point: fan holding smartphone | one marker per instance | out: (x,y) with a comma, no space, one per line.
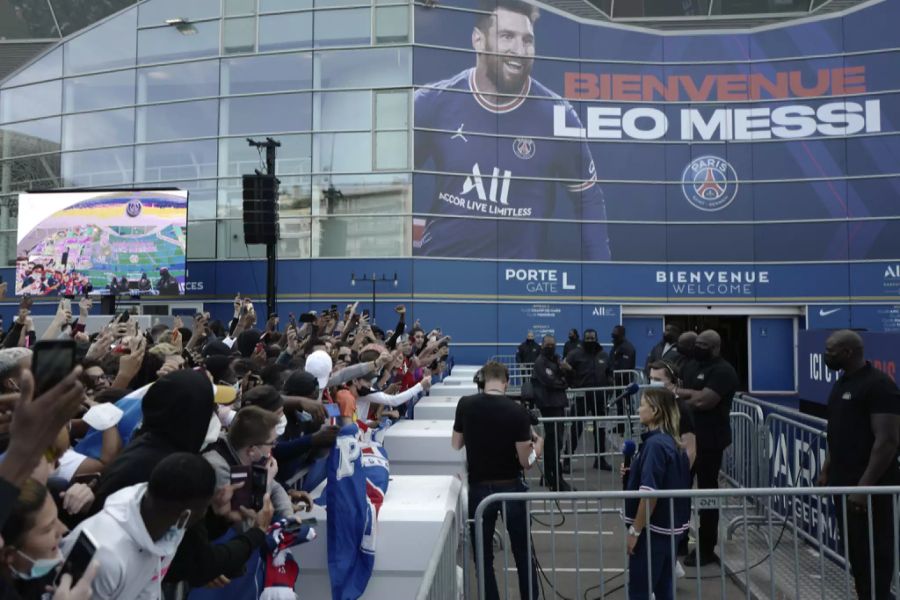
(135,537)
(243,459)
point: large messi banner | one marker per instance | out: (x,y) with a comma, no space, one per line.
(541,138)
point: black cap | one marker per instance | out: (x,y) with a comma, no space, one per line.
(301,383)
(217,348)
(218,366)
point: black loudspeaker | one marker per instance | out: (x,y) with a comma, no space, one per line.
(260,209)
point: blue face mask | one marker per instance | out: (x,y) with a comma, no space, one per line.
(39,568)
(173,535)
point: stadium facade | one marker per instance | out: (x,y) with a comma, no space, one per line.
(740,179)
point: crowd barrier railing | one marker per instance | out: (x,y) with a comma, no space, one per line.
(441,578)
(577,543)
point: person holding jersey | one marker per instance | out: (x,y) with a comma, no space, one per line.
(660,464)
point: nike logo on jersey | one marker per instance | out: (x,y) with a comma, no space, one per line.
(459,133)
(825,313)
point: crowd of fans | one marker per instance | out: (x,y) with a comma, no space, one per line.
(136,448)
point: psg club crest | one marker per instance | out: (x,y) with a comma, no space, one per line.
(523,148)
(709,183)
(133,209)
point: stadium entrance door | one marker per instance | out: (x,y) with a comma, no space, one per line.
(733,330)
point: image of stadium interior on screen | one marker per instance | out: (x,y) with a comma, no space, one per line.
(102,242)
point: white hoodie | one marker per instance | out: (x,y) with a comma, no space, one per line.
(131,564)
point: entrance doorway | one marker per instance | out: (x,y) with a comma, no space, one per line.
(733,330)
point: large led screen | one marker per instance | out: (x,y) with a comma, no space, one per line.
(102,242)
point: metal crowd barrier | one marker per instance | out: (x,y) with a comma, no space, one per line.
(441,579)
(519,373)
(506,359)
(577,545)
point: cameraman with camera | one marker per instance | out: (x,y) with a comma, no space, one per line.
(500,443)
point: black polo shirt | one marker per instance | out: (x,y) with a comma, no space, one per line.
(686,419)
(491,425)
(853,400)
(713,426)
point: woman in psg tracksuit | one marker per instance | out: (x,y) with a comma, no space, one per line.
(660,464)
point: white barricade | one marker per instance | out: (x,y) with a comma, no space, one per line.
(421,447)
(453,391)
(434,408)
(465,371)
(409,526)
(457,380)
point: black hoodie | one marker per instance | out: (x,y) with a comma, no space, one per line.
(177,411)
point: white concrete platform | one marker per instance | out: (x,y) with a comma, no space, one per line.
(422,447)
(409,524)
(437,408)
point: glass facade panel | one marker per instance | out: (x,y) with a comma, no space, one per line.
(342,152)
(358,236)
(47,67)
(175,160)
(176,121)
(266,114)
(75,16)
(328,3)
(90,50)
(239,35)
(201,239)
(30,173)
(9,212)
(178,82)
(343,27)
(97,168)
(391,24)
(294,240)
(391,150)
(237,157)
(30,137)
(95,92)
(157,11)
(275,73)
(387,193)
(286,31)
(392,109)
(164,44)
(343,110)
(98,129)
(31,101)
(372,67)
(201,197)
(278,5)
(231,242)
(234,8)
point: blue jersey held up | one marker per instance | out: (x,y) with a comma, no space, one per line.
(358,476)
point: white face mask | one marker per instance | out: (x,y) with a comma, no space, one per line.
(282,425)
(213,431)
(654,383)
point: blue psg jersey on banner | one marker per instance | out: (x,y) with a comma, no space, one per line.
(501,164)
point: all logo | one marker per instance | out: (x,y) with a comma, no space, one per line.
(709,183)
(523,148)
